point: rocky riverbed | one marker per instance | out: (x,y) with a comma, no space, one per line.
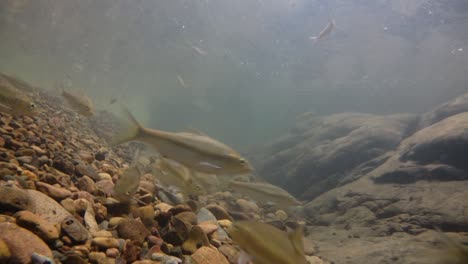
(377,186)
(57,174)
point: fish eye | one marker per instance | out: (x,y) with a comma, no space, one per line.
(32,105)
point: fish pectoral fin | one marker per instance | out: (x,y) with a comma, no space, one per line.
(244,258)
(296,238)
(209,165)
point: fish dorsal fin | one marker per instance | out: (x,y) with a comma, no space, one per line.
(296,238)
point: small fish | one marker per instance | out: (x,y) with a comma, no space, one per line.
(199,50)
(181,81)
(80,103)
(173,173)
(15,101)
(113,100)
(19,84)
(265,244)
(325,31)
(196,152)
(127,185)
(264,192)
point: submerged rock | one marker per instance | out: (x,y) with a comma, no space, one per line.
(22,243)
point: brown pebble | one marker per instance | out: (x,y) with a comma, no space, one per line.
(112,252)
(39,226)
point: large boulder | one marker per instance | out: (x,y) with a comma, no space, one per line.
(320,152)
(423,184)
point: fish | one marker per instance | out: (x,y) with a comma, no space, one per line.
(199,50)
(264,192)
(80,103)
(19,84)
(127,185)
(265,244)
(325,31)
(173,173)
(181,81)
(209,182)
(196,152)
(14,101)
(113,100)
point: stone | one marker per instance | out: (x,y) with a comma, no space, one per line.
(113,253)
(5,253)
(115,221)
(219,212)
(106,242)
(46,207)
(37,225)
(230,252)
(163,207)
(86,184)
(52,191)
(188,217)
(132,229)
(75,229)
(281,215)
(208,227)
(196,239)
(247,206)
(22,243)
(208,255)
(14,199)
(225,224)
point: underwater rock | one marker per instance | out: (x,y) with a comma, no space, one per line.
(132,229)
(188,217)
(196,239)
(14,199)
(208,255)
(37,225)
(52,191)
(75,229)
(219,212)
(247,206)
(331,145)
(22,243)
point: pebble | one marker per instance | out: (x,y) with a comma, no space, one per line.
(5,253)
(112,252)
(104,176)
(188,217)
(281,215)
(37,225)
(132,229)
(163,207)
(55,192)
(246,206)
(106,242)
(219,212)
(230,252)
(22,243)
(75,229)
(86,184)
(115,221)
(208,255)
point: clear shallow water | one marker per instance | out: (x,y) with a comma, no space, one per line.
(247,67)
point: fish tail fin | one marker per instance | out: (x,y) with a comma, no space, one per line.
(131,132)
(296,238)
